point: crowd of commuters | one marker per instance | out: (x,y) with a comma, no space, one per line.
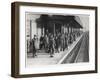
(53,43)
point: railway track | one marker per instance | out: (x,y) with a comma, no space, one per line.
(80,52)
(83,54)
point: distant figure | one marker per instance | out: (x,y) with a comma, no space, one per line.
(47,33)
(74,36)
(42,45)
(66,41)
(70,38)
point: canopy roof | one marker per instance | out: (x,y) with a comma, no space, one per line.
(61,19)
(75,24)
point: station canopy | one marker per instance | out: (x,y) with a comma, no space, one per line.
(75,24)
(59,19)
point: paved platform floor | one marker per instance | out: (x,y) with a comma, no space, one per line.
(45,59)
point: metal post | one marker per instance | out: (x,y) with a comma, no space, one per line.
(30,30)
(54,29)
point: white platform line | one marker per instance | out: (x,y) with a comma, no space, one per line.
(60,61)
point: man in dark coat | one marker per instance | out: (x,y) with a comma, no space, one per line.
(62,42)
(51,45)
(46,42)
(33,46)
